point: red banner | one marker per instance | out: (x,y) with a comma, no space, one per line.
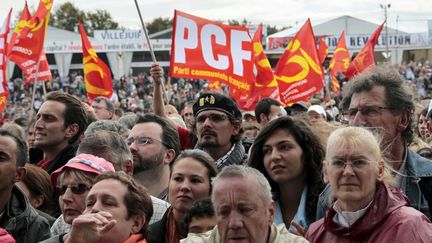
(339,62)
(29,66)
(322,50)
(365,58)
(97,75)
(30,35)
(210,50)
(4,93)
(266,84)
(43,73)
(298,71)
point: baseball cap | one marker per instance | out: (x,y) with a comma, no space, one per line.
(318,109)
(84,162)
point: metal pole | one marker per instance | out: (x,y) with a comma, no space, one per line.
(151,49)
(385,7)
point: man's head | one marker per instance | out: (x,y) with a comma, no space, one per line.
(60,119)
(187,115)
(378,99)
(154,143)
(266,110)
(317,114)
(218,121)
(13,157)
(243,204)
(133,205)
(110,146)
(103,108)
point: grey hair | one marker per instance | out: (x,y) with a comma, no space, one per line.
(107,125)
(108,145)
(242,171)
(128,120)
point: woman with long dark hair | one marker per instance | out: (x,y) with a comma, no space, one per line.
(290,155)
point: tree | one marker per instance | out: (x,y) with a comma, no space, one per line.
(235,22)
(274,29)
(100,20)
(159,24)
(66,17)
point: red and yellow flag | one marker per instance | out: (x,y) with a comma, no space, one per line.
(29,66)
(266,84)
(322,50)
(365,58)
(215,85)
(29,38)
(298,72)
(97,75)
(339,62)
(4,93)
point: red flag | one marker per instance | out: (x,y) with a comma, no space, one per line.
(339,62)
(207,49)
(298,72)
(30,35)
(265,85)
(29,66)
(4,93)
(322,50)
(365,57)
(97,75)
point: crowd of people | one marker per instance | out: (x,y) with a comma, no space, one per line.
(351,168)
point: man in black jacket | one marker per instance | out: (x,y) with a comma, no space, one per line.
(17,216)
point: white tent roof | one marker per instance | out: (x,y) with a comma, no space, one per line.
(351,26)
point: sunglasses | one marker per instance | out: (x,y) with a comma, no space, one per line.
(78,189)
(213,117)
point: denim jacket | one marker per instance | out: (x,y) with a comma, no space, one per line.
(418,186)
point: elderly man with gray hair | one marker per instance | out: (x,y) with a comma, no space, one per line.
(244,209)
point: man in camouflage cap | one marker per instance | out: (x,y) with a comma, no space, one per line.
(218,122)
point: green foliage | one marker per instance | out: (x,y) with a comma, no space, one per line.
(159,24)
(67,15)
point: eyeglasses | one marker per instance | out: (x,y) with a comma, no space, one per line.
(78,189)
(188,114)
(355,164)
(143,140)
(367,111)
(213,117)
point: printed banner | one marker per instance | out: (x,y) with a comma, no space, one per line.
(204,49)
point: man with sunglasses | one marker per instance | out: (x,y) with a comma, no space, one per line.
(17,216)
(154,144)
(218,122)
(378,99)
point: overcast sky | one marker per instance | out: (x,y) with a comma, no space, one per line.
(412,13)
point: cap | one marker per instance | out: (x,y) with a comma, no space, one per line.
(301,104)
(219,102)
(318,109)
(84,162)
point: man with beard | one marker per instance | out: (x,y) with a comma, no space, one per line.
(378,99)
(154,144)
(218,121)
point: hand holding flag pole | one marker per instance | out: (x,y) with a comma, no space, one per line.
(151,49)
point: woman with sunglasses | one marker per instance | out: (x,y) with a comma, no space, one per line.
(190,180)
(365,207)
(290,155)
(72,183)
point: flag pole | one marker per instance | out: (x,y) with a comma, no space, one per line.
(151,49)
(34,86)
